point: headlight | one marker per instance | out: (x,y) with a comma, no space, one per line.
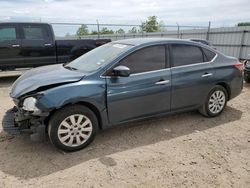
(29,104)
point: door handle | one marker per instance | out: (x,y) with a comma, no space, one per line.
(15,45)
(162,82)
(207,75)
(47,44)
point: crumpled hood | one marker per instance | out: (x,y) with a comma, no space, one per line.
(43,76)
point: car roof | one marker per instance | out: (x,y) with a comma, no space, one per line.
(142,41)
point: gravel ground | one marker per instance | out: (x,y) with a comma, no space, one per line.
(184,150)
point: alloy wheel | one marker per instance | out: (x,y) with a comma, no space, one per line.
(75,130)
(217,102)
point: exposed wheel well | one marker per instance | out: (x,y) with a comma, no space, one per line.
(89,105)
(226,86)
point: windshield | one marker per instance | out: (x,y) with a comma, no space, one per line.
(97,58)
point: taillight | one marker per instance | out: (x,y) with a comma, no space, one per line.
(239,66)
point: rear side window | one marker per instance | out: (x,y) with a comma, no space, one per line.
(7,33)
(208,54)
(144,60)
(34,32)
(183,54)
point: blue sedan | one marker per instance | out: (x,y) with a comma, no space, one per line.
(120,82)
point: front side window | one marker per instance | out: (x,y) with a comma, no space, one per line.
(7,33)
(183,54)
(34,32)
(144,60)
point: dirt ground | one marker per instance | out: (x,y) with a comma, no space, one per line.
(184,150)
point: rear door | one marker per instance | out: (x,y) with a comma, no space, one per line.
(192,76)
(146,91)
(38,46)
(10,46)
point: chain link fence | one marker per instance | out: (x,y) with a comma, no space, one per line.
(232,41)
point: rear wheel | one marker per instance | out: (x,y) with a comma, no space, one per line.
(72,128)
(215,102)
(247,79)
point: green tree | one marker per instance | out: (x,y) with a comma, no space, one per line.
(94,33)
(244,24)
(120,31)
(133,30)
(82,30)
(151,25)
(105,30)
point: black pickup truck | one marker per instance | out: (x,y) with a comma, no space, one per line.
(33,44)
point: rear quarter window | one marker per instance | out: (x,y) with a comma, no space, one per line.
(208,54)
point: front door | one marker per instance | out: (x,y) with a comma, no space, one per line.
(146,91)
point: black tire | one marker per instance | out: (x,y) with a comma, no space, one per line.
(63,114)
(204,109)
(247,79)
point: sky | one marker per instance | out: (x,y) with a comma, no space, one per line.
(221,13)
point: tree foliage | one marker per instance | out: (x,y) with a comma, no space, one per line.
(105,30)
(133,30)
(82,30)
(120,31)
(151,25)
(94,32)
(244,24)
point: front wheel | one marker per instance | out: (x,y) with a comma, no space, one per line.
(215,102)
(72,128)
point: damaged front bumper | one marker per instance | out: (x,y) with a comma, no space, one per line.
(27,122)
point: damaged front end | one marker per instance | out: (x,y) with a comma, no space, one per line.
(29,118)
(30,114)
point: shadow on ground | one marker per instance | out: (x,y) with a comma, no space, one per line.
(25,159)
(247,85)
(6,81)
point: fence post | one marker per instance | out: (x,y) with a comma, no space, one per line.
(98,28)
(208,30)
(242,44)
(178,30)
(141,30)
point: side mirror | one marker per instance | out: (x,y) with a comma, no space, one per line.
(122,71)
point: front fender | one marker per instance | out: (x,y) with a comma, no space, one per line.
(92,92)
